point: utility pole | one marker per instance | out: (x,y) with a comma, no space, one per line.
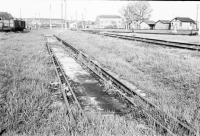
(85,14)
(65,14)
(39,19)
(35,21)
(50,18)
(197,20)
(82,22)
(62,14)
(20,12)
(76,17)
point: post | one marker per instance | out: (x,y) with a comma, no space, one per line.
(50,18)
(85,14)
(62,14)
(197,21)
(35,21)
(20,12)
(82,22)
(197,17)
(39,19)
(76,16)
(65,14)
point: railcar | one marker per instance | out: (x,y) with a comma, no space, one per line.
(12,25)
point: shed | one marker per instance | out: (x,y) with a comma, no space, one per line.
(147,25)
(162,24)
(183,23)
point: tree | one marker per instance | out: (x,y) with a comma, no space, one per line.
(136,11)
(5,15)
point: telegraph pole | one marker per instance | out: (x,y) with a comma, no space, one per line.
(62,14)
(76,16)
(20,12)
(85,14)
(50,18)
(197,20)
(39,19)
(197,16)
(82,22)
(65,14)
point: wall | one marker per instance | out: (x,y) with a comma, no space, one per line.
(160,25)
(104,22)
(182,25)
(144,25)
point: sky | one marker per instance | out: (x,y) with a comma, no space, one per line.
(90,9)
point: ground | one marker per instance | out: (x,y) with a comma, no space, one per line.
(28,107)
(170,77)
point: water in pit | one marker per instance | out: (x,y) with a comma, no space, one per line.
(87,89)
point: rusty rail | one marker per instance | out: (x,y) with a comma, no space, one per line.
(163,123)
(64,84)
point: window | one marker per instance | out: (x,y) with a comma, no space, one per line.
(190,23)
(180,23)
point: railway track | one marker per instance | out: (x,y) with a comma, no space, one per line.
(189,46)
(159,120)
(64,85)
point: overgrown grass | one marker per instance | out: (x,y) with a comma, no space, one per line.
(170,77)
(26,105)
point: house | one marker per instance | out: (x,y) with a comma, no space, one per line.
(108,21)
(147,25)
(135,24)
(73,25)
(183,23)
(162,24)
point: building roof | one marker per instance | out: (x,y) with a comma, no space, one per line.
(42,19)
(109,16)
(149,22)
(164,21)
(184,19)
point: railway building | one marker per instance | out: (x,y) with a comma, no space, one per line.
(147,25)
(162,24)
(183,23)
(109,21)
(42,22)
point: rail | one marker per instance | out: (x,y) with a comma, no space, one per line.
(65,84)
(158,119)
(181,45)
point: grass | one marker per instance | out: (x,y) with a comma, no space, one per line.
(26,105)
(169,77)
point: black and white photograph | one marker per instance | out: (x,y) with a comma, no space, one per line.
(99,68)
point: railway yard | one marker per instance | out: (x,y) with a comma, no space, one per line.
(58,82)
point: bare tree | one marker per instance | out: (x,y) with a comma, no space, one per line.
(136,11)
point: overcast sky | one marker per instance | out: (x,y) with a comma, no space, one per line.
(164,10)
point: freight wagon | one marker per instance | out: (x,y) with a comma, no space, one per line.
(12,25)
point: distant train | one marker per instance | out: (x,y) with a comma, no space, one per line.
(12,25)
